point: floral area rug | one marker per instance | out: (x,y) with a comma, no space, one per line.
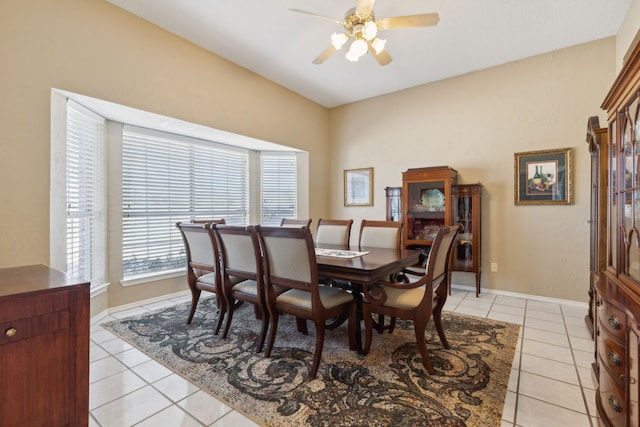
(388,387)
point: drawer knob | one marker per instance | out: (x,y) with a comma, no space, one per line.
(614,322)
(613,402)
(614,359)
(10,332)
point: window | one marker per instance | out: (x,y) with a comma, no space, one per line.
(85,195)
(169,178)
(278,187)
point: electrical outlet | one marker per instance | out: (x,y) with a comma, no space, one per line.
(494,267)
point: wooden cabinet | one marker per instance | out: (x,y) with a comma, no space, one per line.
(617,287)
(597,141)
(466,211)
(44,348)
(426,200)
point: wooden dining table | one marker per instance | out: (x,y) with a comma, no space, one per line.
(355,273)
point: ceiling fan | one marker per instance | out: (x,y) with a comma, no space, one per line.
(362,28)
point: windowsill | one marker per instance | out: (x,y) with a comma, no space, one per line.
(151,277)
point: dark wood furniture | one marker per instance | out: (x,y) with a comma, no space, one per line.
(203,265)
(333,232)
(617,292)
(377,264)
(415,301)
(598,143)
(393,196)
(44,348)
(380,234)
(290,262)
(241,273)
(467,210)
(295,222)
(426,201)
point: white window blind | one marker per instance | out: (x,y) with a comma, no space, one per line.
(168,178)
(278,192)
(85,195)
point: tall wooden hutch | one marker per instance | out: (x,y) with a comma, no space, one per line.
(617,292)
(466,211)
(432,198)
(426,199)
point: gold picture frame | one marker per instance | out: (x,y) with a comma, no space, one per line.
(543,177)
(358,187)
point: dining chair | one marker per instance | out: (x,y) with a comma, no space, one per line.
(203,266)
(295,222)
(209,221)
(290,261)
(242,274)
(416,301)
(335,232)
(381,234)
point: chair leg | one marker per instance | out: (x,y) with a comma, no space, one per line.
(221,313)
(420,326)
(302,326)
(319,344)
(380,323)
(441,298)
(353,324)
(195,297)
(227,324)
(368,327)
(392,324)
(264,316)
(272,333)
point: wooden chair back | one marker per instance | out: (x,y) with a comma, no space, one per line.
(295,222)
(203,265)
(333,232)
(242,274)
(380,234)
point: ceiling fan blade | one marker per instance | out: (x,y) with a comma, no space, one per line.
(364,7)
(316,15)
(383,57)
(324,55)
(411,21)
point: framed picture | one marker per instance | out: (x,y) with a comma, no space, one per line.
(543,177)
(358,187)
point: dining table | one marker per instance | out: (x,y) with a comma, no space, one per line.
(355,272)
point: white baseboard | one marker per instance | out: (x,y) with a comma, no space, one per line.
(579,304)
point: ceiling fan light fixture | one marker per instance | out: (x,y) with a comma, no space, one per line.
(358,47)
(369,30)
(339,39)
(378,45)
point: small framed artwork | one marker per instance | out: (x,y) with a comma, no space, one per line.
(358,187)
(543,177)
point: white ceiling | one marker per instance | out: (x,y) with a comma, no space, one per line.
(266,37)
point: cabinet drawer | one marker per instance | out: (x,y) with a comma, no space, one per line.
(612,398)
(20,307)
(612,355)
(22,329)
(613,320)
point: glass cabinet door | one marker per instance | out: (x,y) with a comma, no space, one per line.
(426,210)
(466,211)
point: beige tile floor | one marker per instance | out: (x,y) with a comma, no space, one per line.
(550,384)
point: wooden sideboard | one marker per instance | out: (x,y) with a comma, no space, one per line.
(617,291)
(44,348)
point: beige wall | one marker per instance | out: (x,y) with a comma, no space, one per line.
(92,48)
(475,123)
(627,33)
